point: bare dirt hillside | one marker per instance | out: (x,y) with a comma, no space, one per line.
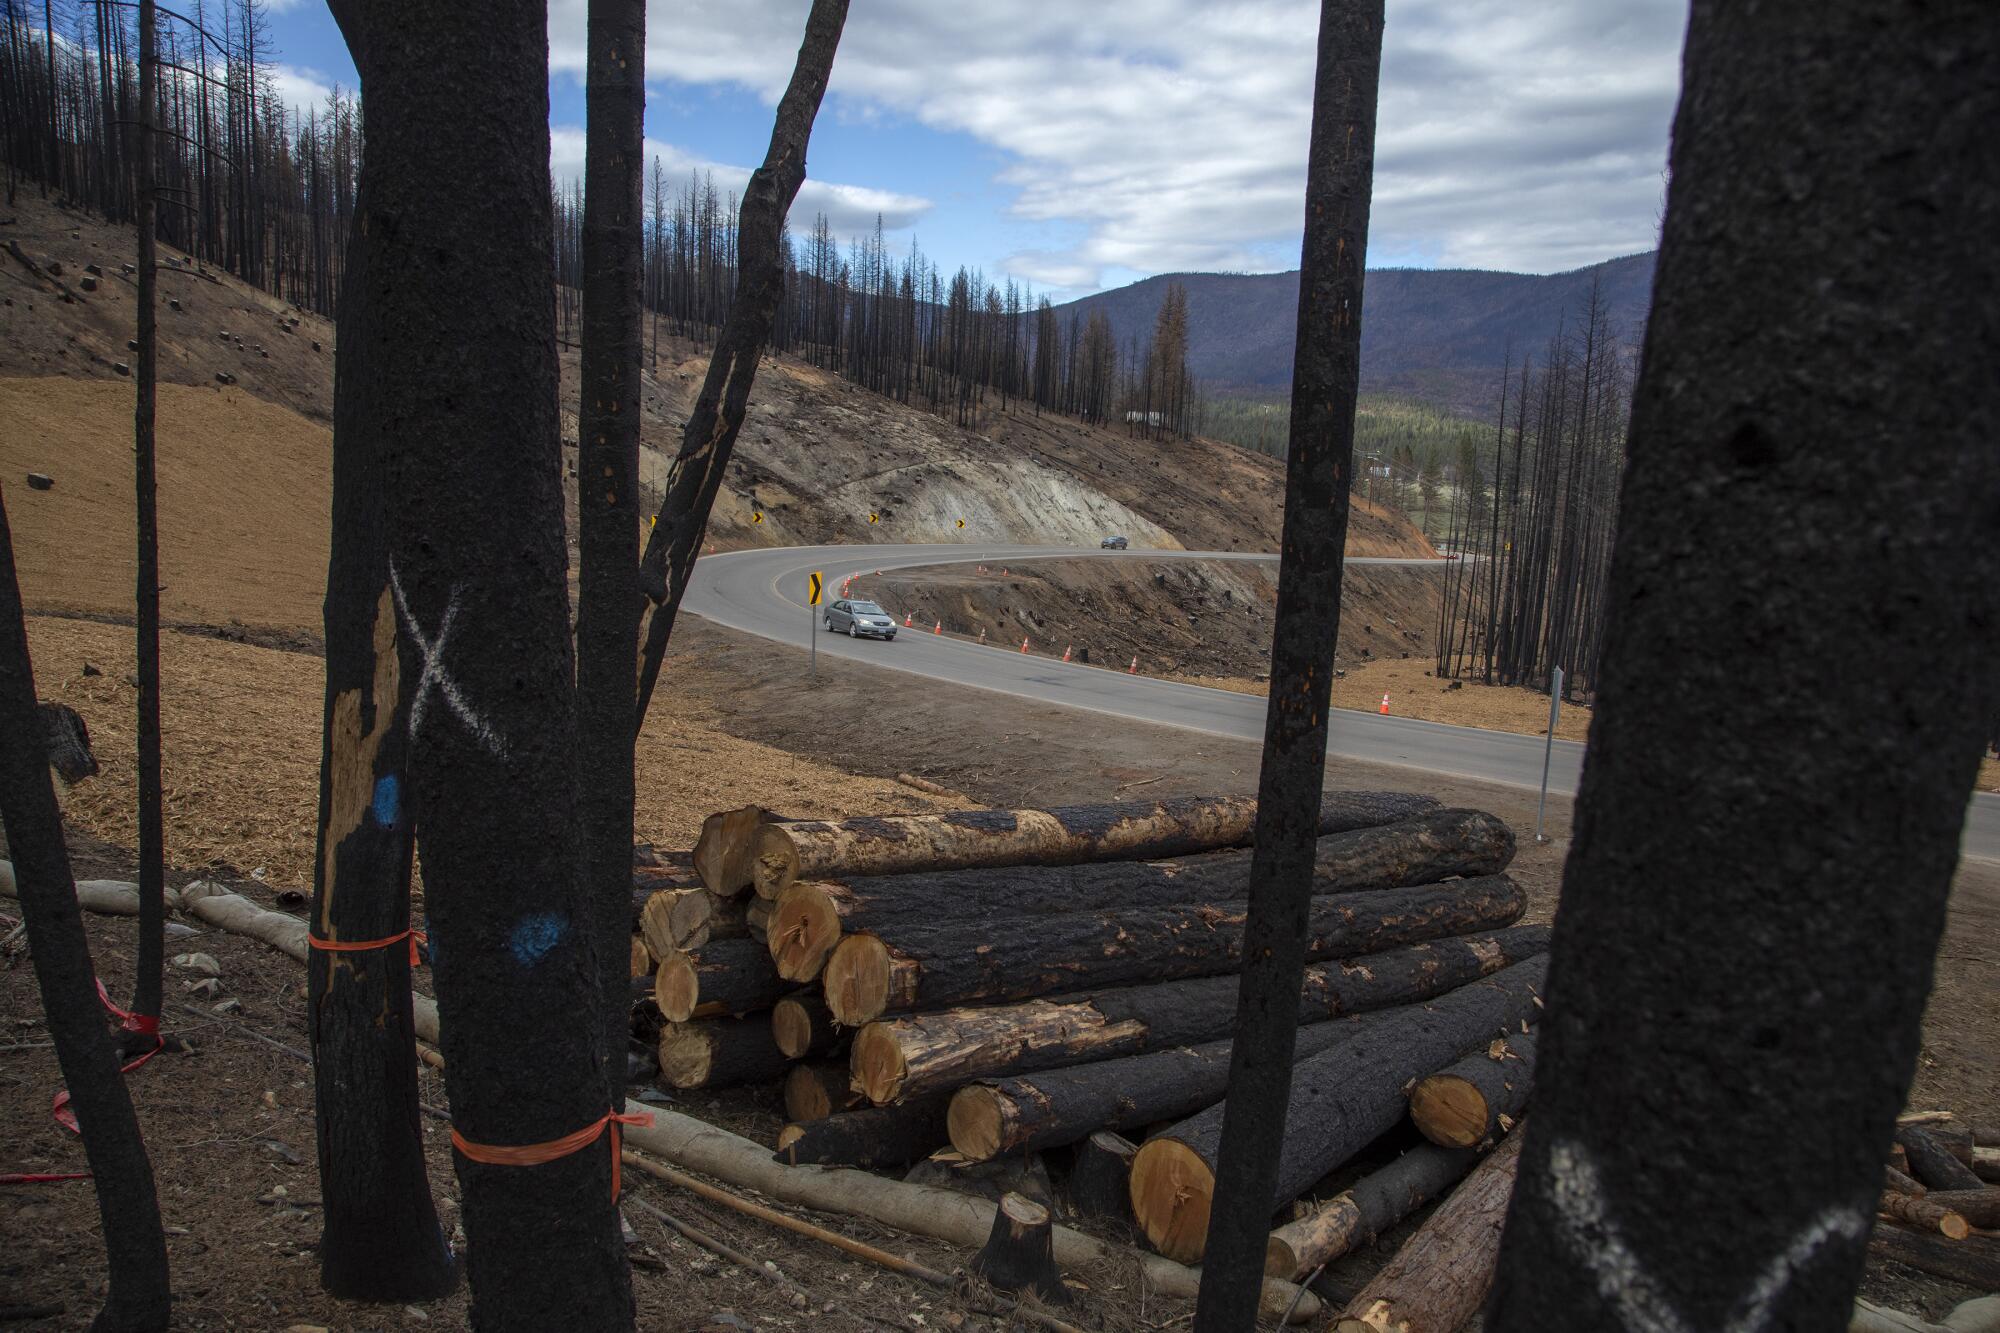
(817,456)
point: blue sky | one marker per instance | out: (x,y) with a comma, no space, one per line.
(1082,147)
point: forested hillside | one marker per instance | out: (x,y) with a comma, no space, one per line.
(1440,335)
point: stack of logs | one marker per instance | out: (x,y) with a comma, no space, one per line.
(1010,982)
(961,993)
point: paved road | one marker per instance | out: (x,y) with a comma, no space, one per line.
(763,592)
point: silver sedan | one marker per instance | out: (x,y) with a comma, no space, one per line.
(864,619)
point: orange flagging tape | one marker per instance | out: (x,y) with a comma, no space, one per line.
(146,1025)
(413,935)
(534,1154)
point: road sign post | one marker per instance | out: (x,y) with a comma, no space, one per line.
(814,583)
(1548,748)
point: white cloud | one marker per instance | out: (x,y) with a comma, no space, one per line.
(1173,132)
(299,88)
(850,209)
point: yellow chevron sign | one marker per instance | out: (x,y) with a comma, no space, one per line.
(813,588)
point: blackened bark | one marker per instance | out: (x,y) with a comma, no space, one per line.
(135,1245)
(726,977)
(929,965)
(719,1053)
(381,1240)
(459,281)
(1377,1202)
(152,834)
(1326,373)
(607,494)
(1047,1110)
(1932,1163)
(878,1137)
(1816,274)
(917,1053)
(1478,1098)
(711,429)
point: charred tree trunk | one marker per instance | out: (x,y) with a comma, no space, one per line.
(942,963)
(1980,1207)
(135,1246)
(994,1117)
(1377,1202)
(1326,376)
(924,1052)
(710,435)
(1020,1253)
(463,362)
(151,963)
(380,1240)
(1478,1098)
(607,493)
(783,854)
(719,1053)
(1933,1163)
(1100,1180)
(1340,1102)
(730,977)
(1973,1262)
(1771,385)
(809,917)
(1440,1277)
(882,1136)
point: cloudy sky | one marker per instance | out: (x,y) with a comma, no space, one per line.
(1084,146)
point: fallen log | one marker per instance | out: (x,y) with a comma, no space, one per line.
(932,964)
(1986,1136)
(809,917)
(719,1053)
(993,1117)
(1933,1159)
(920,1210)
(1926,1214)
(1341,1100)
(727,977)
(1980,1207)
(722,852)
(1895,1180)
(688,918)
(802,1026)
(814,1092)
(1019,1254)
(1377,1202)
(1440,1277)
(877,1137)
(1986,1163)
(1974,1262)
(1100,1177)
(642,958)
(784,853)
(919,1053)
(1478,1098)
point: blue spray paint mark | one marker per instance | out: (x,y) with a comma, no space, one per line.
(388,800)
(536,935)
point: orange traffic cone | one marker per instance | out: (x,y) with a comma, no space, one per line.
(938,628)
(1384,710)
(906,625)
(1066,648)
(1133,670)
(1024,645)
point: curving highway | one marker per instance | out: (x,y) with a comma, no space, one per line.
(763,592)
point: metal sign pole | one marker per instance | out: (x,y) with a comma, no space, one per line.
(1548,748)
(814,582)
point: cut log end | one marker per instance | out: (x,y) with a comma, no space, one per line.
(977,1121)
(793,1028)
(1379,1317)
(687,1057)
(856,980)
(642,958)
(787,1137)
(1450,1111)
(722,852)
(803,930)
(878,1064)
(814,1092)
(1020,1253)
(676,987)
(1280,1259)
(1171,1191)
(774,861)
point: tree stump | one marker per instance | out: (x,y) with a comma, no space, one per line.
(1100,1181)
(1019,1255)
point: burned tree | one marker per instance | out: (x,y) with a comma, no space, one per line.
(135,1246)
(607,494)
(1811,472)
(1326,375)
(711,429)
(460,356)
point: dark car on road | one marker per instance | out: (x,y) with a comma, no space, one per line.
(1113,544)
(860,619)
